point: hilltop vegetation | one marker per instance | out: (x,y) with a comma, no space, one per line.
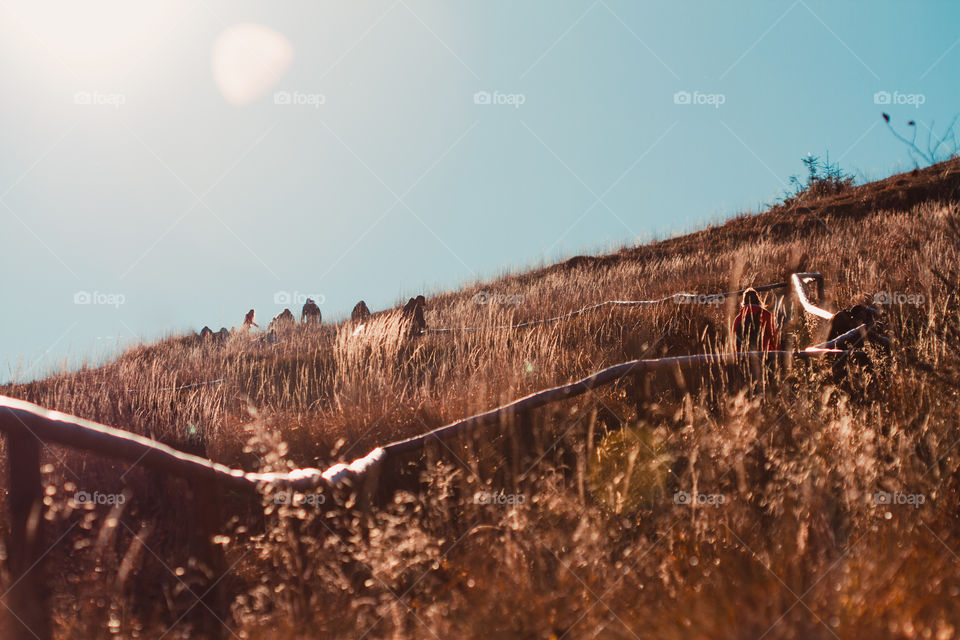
(586,528)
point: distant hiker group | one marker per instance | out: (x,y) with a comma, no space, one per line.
(310,315)
(207,334)
(755,328)
(412,313)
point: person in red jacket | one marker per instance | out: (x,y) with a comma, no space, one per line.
(754,326)
(248,320)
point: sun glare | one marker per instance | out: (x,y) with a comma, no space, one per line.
(101,42)
(98,38)
(247,60)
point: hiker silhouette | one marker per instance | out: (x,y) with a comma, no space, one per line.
(282,321)
(754,327)
(360,312)
(248,320)
(855,359)
(311,313)
(413,311)
(846,320)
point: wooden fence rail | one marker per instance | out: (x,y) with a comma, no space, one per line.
(797,280)
(27,427)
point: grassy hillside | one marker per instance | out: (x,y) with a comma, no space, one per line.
(591,535)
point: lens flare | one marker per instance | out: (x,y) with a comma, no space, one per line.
(248,59)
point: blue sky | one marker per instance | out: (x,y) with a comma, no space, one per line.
(374,165)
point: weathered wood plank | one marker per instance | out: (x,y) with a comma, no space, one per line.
(26,597)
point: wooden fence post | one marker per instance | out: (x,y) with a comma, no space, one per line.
(786,331)
(210,614)
(26,600)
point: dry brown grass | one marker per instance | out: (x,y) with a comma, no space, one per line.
(590,540)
